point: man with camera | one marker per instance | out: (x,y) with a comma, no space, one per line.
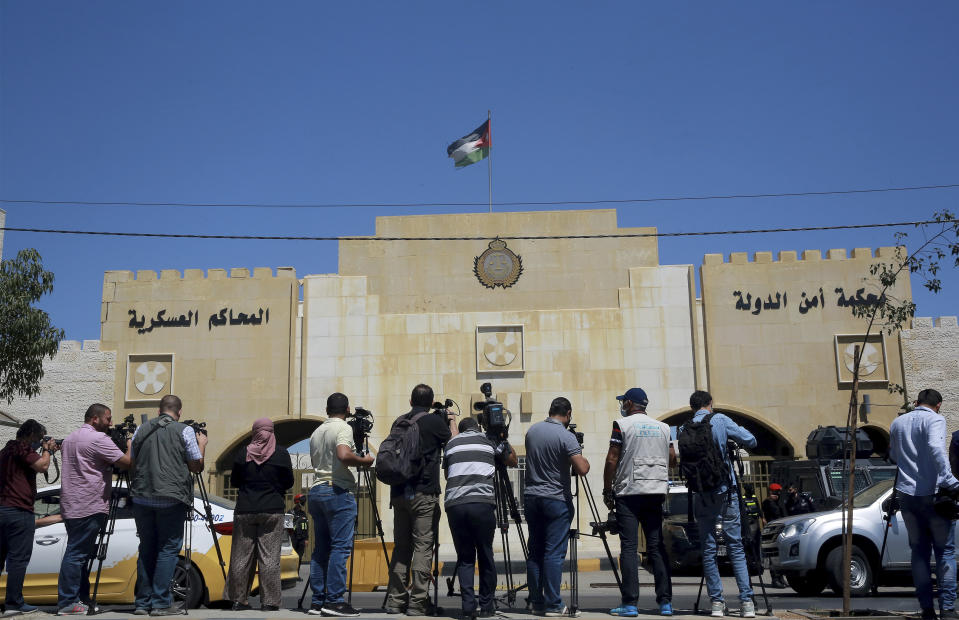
(89,458)
(917,444)
(635,484)
(708,469)
(333,508)
(416,508)
(551,449)
(19,465)
(470,463)
(166,453)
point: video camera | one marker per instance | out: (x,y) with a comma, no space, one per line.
(198,427)
(362,423)
(122,432)
(577,434)
(494,418)
(443,408)
(610,525)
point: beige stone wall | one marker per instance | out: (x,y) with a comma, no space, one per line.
(587,355)
(781,364)
(930,359)
(437,276)
(226,374)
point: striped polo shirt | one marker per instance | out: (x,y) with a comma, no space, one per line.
(469,469)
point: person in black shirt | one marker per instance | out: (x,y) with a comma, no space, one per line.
(798,503)
(416,512)
(301,526)
(262,472)
(772,509)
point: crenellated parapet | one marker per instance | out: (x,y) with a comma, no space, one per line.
(791,256)
(149,275)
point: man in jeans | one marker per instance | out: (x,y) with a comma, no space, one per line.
(89,457)
(722,503)
(917,444)
(635,484)
(165,454)
(333,507)
(19,465)
(550,451)
(416,511)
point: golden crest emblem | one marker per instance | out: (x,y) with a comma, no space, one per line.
(498,265)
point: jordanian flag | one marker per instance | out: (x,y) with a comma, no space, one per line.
(471,148)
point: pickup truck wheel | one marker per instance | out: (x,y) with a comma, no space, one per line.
(810,585)
(860,574)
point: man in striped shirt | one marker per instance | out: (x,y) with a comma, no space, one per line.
(470,463)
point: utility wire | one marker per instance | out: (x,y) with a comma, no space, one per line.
(340,205)
(478,238)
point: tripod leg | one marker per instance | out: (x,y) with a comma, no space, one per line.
(699,594)
(594,511)
(299,603)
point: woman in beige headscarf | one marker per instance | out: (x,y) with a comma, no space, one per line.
(262,472)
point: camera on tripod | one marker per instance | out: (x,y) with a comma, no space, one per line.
(122,432)
(494,417)
(362,423)
(198,427)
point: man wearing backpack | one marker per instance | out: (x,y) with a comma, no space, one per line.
(708,470)
(415,503)
(635,483)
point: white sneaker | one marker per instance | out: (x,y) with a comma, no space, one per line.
(749,609)
(718,609)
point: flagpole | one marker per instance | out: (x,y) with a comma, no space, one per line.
(489,158)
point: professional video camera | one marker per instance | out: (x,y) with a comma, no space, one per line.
(443,408)
(198,427)
(610,525)
(362,423)
(494,418)
(577,434)
(122,432)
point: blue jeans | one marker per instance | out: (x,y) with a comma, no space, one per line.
(334,517)
(548,520)
(929,532)
(161,537)
(74,583)
(708,507)
(16,547)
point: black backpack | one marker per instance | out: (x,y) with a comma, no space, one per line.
(700,460)
(400,460)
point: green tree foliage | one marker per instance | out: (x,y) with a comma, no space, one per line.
(26,335)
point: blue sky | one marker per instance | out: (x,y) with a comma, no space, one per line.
(323,102)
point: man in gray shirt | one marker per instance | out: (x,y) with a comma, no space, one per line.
(550,451)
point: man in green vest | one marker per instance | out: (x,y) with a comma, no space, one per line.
(166,454)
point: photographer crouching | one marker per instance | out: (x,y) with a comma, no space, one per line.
(332,505)
(917,444)
(166,453)
(89,457)
(19,465)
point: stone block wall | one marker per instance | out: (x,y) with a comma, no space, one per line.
(930,359)
(78,376)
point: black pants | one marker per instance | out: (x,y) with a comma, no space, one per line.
(473,526)
(633,511)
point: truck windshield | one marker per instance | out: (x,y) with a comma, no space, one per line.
(869,495)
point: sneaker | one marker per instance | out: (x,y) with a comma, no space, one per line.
(394,610)
(626,611)
(172,610)
(269,608)
(77,609)
(141,611)
(237,606)
(949,614)
(491,613)
(748,609)
(315,610)
(558,612)
(26,608)
(929,613)
(718,609)
(534,609)
(339,610)
(666,609)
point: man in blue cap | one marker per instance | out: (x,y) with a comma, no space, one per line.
(635,484)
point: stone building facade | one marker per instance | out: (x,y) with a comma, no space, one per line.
(770,336)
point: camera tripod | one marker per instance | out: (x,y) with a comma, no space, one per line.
(103,537)
(752,553)
(574,533)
